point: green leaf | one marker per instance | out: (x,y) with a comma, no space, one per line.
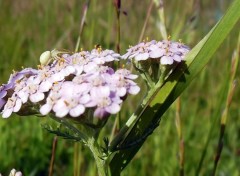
(179,80)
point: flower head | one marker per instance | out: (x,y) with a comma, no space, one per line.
(156,59)
(69,85)
(166,52)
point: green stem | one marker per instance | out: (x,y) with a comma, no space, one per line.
(147,78)
(144,74)
(96,151)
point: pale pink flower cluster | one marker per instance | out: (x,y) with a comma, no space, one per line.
(166,52)
(69,86)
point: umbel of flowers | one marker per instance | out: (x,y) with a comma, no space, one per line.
(155,59)
(69,86)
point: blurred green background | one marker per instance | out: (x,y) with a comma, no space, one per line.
(29,27)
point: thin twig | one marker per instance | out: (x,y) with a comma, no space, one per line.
(117,4)
(222,129)
(180,137)
(144,26)
(76,158)
(54,146)
(146,20)
(85,9)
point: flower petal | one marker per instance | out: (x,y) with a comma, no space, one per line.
(113,108)
(142,56)
(177,58)
(157,53)
(45,109)
(7,112)
(77,111)
(100,113)
(165,60)
(45,86)
(134,90)
(18,105)
(36,97)
(62,112)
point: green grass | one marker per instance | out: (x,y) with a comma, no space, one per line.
(30,27)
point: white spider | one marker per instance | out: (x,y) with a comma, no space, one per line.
(48,56)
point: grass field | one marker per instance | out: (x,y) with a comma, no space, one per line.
(27,28)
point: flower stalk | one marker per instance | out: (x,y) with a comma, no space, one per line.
(98,156)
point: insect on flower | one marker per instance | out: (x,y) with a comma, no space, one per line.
(48,56)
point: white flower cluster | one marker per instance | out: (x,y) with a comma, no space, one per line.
(166,51)
(70,85)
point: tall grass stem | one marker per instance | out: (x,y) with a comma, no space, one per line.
(162,24)
(85,9)
(224,117)
(180,137)
(76,159)
(54,146)
(117,5)
(146,20)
